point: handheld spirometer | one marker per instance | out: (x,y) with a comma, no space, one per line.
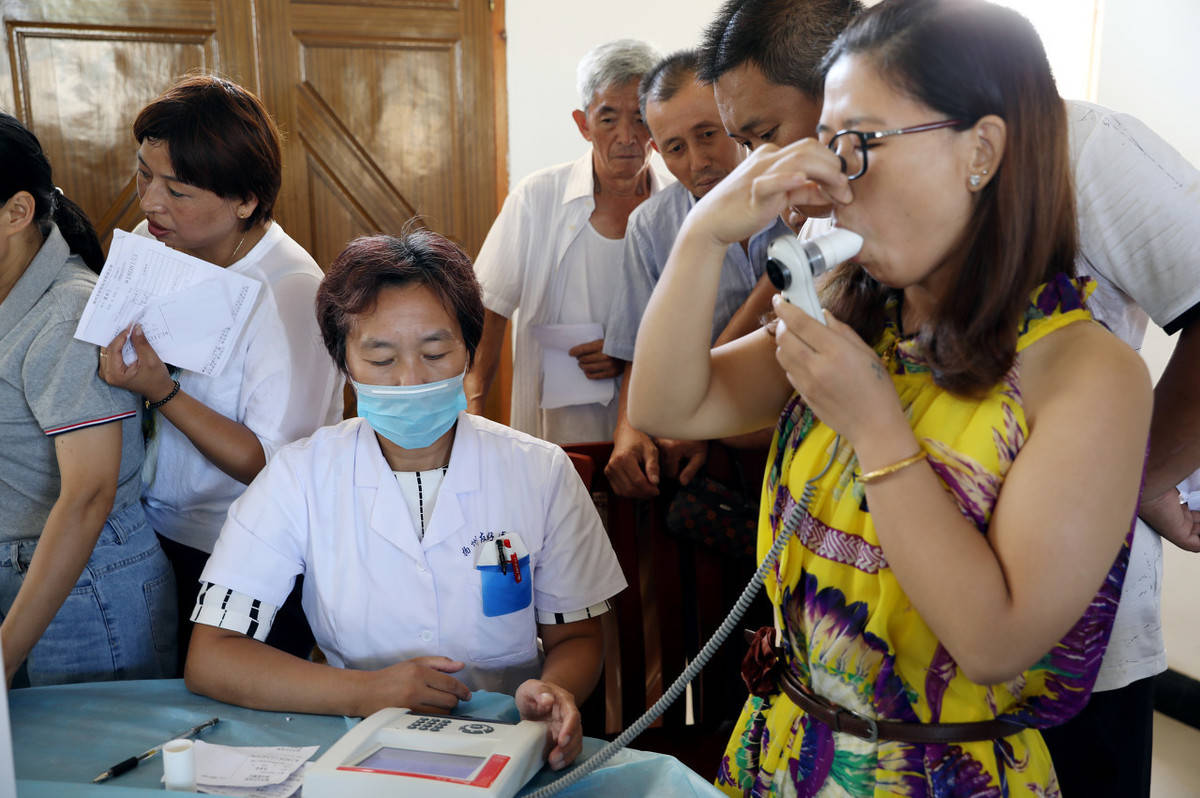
(397,752)
(793,264)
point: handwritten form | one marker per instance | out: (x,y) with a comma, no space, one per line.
(563,382)
(190,310)
(260,771)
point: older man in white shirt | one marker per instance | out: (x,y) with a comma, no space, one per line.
(553,255)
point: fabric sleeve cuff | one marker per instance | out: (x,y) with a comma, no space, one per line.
(497,304)
(548,617)
(94,422)
(621,350)
(1183,320)
(228,609)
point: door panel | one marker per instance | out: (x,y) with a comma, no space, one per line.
(331,210)
(395,101)
(377,89)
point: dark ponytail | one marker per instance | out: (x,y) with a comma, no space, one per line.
(26,169)
(77,231)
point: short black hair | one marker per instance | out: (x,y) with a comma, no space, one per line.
(220,138)
(786,39)
(416,256)
(667,77)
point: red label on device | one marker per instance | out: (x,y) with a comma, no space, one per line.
(487,774)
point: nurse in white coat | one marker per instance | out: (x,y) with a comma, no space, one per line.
(436,546)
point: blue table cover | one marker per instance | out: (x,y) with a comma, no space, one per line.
(64,736)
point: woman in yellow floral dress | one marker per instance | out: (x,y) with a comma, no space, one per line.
(952,584)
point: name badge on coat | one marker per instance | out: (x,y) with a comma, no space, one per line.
(505,576)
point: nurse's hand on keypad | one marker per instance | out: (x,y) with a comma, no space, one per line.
(422,684)
(539,700)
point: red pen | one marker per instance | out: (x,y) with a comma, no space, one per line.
(516,565)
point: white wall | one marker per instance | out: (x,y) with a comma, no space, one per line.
(1150,67)
(546,39)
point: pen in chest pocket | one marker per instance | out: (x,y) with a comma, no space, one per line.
(507,559)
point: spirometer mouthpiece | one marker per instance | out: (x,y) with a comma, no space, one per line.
(792,264)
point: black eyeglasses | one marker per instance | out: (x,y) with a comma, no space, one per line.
(851,146)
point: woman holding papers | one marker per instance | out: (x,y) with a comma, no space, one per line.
(208,173)
(85,591)
(437,546)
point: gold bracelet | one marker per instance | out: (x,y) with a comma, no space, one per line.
(879,473)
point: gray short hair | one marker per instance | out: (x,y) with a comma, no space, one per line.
(612,64)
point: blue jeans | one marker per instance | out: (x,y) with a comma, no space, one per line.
(118,622)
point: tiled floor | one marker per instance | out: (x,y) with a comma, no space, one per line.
(1176,768)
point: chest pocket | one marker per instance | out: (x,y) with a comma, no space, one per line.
(505,573)
(506,580)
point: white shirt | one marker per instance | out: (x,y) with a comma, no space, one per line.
(1138,202)
(519,258)
(375,593)
(1138,205)
(587,280)
(279,382)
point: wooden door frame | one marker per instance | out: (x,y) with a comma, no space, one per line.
(498,404)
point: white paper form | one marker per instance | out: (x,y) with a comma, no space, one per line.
(191,311)
(264,771)
(563,382)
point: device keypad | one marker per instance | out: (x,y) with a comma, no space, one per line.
(429,724)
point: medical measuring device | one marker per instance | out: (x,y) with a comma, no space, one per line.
(793,265)
(396,752)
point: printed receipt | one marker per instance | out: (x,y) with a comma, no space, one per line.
(190,310)
(261,771)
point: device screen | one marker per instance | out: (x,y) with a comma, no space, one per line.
(426,763)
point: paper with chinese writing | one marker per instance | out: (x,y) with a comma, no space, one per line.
(191,311)
(266,771)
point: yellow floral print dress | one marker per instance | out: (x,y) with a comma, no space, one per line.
(851,633)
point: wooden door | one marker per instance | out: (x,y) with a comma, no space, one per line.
(390,114)
(390,108)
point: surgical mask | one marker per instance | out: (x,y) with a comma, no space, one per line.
(412,416)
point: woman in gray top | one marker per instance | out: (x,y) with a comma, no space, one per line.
(86,593)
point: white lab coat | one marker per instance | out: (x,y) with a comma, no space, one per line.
(375,594)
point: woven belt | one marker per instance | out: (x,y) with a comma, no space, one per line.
(841,719)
